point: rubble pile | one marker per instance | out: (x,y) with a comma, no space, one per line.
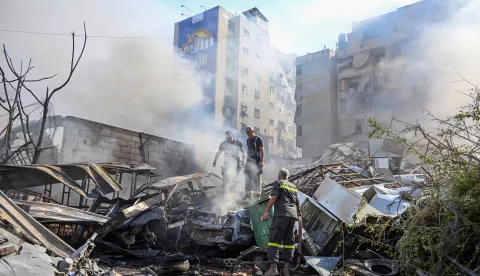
(78,219)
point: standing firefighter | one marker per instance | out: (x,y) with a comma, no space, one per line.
(286,212)
(232,163)
(254,165)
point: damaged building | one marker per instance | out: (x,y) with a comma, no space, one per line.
(366,82)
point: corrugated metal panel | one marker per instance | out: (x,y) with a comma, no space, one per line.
(23,221)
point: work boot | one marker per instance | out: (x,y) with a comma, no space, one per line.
(272,271)
(286,269)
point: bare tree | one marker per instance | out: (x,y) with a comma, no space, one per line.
(16,91)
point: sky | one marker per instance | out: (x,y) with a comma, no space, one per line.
(296,26)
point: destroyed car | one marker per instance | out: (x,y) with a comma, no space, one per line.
(155,215)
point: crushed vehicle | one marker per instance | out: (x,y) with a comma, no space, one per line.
(155,214)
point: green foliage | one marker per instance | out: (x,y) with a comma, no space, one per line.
(446,223)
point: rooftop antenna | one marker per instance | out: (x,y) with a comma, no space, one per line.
(184,15)
(183,6)
(202,6)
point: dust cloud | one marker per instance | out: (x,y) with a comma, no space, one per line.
(431,68)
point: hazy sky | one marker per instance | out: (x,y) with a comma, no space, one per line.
(297,26)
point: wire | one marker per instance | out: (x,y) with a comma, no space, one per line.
(151,38)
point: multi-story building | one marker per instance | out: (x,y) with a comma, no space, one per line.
(371,61)
(246,80)
(334,104)
(316,97)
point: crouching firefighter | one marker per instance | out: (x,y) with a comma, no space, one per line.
(286,212)
(232,163)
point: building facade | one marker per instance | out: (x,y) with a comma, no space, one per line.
(367,79)
(316,98)
(247,82)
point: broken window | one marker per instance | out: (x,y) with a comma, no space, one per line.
(246,32)
(258,59)
(243,110)
(342,106)
(244,89)
(257,94)
(245,50)
(272,122)
(279,109)
(245,70)
(299,70)
(299,110)
(231,26)
(272,106)
(257,113)
(272,90)
(299,130)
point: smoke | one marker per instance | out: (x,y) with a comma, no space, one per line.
(429,72)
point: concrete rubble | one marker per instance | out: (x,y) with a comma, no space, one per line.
(77,219)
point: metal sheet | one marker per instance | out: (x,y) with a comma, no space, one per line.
(23,221)
(171,181)
(51,211)
(100,177)
(323,265)
(342,203)
(35,176)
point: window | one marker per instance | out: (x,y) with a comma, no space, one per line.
(258,41)
(298,93)
(280,109)
(243,109)
(272,106)
(229,82)
(258,59)
(244,89)
(257,77)
(245,70)
(272,90)
(342,106)
(257,130)
(246,32)
(299,110)
(289,128)
(299,130)
(281,125)
(257,94)
(231,26)
(299,70)
(245,50)
(358,126)
(257,113)
(272,122)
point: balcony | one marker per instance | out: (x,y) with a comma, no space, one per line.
(351,72)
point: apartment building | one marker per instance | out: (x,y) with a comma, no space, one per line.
(316,98)
(369,66)
(246,80)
